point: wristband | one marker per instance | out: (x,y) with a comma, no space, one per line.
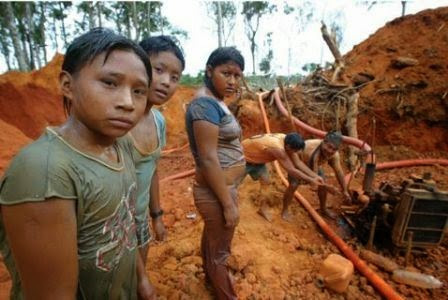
(157,214)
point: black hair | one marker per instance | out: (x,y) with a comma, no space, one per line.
(334,137)
(219,57)
(295,141)
(85,48)
(162,43)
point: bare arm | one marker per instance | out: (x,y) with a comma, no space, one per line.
(206,138)
(288,165)
(154,207)
(43,240)
(299,164)
(335,163)
(145,289)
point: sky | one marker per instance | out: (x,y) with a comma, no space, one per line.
(293,45)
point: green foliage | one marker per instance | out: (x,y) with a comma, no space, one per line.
(269,82)
(310,67)
(193,81)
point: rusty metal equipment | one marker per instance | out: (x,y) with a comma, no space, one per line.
(416,209)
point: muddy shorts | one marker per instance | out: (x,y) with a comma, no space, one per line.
(256,171)
(294,181)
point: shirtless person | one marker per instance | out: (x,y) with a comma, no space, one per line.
(264,148)
(318,152)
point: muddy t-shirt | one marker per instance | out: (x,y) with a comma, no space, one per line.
(104,196)
(230,151)
(145,165)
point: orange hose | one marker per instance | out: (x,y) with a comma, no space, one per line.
(385,289)
(168,151)
(411,163)
(346,139)
(178,175)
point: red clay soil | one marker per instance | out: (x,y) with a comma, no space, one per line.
(411,101)
(31,101)
(277,260)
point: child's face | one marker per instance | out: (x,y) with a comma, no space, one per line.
(225,79)
(328,148)
(166,72)
(108,97)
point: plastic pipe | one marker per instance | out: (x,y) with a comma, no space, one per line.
(346,139)
(385,289)
(178,176)
(168,151)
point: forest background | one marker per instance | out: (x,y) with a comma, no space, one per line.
(276,37)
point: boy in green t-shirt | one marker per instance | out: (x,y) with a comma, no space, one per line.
(68,200)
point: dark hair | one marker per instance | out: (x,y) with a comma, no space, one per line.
(162,43)
(96,41)
(295,141)
(219,57)
(334,137)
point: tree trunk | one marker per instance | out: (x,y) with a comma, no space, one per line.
(148,18)
(5,52)
(128,22)
(331,44)
(30,34)
(42,30)
(339,63)
(24,46)
(161,18)
(90,14)
(64,34)
(135,21)
(55,34)
(219,23)
(99,12)
(252,51)
(352,127)
(20,55)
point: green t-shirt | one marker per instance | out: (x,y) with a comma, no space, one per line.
(145,165)
(105,196)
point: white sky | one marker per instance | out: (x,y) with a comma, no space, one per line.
(292,47)
(289,45)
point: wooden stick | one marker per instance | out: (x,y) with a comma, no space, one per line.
(282,90)
(331,44)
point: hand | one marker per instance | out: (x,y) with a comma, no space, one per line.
(319,180)
(159,229)
(231,215)
(145,289)
(316,182)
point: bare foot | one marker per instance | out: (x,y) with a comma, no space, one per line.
(329,214)
(286,216)
(265,214)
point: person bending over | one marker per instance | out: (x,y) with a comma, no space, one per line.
(318,152)
(266,148)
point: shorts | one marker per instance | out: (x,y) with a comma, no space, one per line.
(256,171)
(294,181)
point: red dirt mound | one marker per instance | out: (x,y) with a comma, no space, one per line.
(410,100)
(31,101)
(11,140)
